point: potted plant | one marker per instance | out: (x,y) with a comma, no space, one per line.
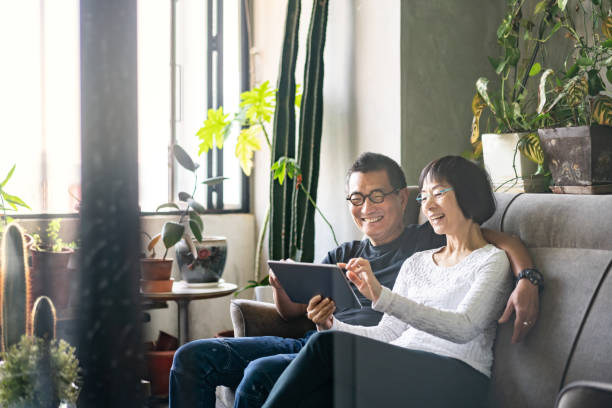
(50,257)
(511,106)
(10,202)
(37,370)
(200,259)
(577,137)
(155,272)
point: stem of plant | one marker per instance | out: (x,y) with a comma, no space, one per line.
(320,213)
(262,235)
(265,134)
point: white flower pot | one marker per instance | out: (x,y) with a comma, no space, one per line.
(498,155)
(264,294)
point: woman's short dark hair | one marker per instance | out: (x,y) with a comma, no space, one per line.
(367,162)
(470,183)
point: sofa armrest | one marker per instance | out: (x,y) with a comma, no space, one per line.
(251,318)
(585,394)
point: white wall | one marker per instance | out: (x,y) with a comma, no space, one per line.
(361,96)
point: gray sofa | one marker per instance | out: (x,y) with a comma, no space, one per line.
(566,360)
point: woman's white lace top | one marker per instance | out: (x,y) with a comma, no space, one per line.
(450,311)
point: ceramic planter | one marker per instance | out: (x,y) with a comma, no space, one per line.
(51,276)
(578,156)
(498,154)
(209,264)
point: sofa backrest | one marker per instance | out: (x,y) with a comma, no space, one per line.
(570,240)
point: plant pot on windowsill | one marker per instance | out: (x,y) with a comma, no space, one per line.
(51,276)
(500,153)
(579,156)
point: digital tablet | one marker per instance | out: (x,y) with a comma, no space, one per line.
(302,281)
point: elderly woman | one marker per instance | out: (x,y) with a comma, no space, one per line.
(433,347)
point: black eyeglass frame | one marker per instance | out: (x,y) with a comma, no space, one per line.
(369,196)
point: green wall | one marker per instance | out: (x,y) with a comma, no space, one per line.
(444,49)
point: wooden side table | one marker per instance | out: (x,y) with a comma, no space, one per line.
(182,295)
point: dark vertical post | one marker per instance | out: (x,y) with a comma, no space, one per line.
(109,316)
(245,85)
(219,85)
(214,85)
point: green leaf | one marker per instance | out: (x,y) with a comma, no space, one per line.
(595,83)
(298,95)
(259,102)
(195,217)
(195,230)
(15,200)
(584,61)
(168,205)
(504,29)
(279,170)
(535,69)
(540,7)
(607,43)
(8,176)
(562,4)
(183,158)
(199,208)
(216,127)
(609,74)
(572,71)
(172,232)
(247,144)
(494,62)
(513,55)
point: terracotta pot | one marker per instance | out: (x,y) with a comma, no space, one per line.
(159,364)
(51,276)
(156,286)
(155,269)
(166,342)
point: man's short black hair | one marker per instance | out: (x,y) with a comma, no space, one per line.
(367,162)
(470,183)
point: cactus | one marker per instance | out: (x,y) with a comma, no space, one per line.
(284,136)
(311,121)
(15,288)
(43,319)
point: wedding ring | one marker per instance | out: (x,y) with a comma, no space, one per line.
(526,323)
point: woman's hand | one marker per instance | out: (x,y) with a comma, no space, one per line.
(360,273)
(321,312)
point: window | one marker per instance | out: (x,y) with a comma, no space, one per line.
(40,99)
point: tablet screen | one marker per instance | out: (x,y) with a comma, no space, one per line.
(302,281)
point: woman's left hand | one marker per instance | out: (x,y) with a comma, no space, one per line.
(360,273)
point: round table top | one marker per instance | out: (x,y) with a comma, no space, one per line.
(180,290)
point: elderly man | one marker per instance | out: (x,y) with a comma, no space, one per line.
(377,197)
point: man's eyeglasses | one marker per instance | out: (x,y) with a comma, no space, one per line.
(375,196)
(437,195)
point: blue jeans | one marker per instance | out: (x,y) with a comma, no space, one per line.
(338,369)
(251,365)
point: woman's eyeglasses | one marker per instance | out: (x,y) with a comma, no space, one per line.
(437,195)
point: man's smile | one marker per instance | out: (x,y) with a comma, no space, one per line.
(372,220)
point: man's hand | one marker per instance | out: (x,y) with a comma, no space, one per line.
(360,273)
(321,312)
(287,309)
(524,301)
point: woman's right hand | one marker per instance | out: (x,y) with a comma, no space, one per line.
(321,312)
